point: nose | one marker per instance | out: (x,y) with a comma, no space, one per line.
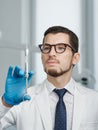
(52,51)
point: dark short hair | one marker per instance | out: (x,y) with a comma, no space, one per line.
(74,42)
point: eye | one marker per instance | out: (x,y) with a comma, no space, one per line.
(46,47)
(61,47)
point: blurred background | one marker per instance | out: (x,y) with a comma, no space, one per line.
(23,22)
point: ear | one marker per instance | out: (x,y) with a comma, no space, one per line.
(76,58)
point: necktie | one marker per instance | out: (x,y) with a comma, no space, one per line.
(60,114)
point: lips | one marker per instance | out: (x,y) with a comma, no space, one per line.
(52,62)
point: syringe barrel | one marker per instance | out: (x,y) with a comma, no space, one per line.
(26,61)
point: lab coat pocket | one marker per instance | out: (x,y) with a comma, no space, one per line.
(89,126)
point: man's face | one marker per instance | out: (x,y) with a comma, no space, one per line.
(56,64)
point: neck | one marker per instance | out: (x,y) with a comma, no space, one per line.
(59,82)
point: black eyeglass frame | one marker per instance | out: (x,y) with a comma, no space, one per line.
(65,44)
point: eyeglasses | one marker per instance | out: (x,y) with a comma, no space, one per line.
(59,48)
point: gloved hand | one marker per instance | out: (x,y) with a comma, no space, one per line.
(15,87)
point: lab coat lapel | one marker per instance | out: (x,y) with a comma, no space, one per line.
(44,108)
(79,105)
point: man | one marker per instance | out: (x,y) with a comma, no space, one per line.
(80,105)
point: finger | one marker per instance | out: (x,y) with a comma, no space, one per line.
(26,97)
(18,72)
(10,71)
(31,73)
(21,73)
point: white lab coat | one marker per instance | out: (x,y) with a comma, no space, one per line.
(36,114)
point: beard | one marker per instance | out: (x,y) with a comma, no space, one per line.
(55,73)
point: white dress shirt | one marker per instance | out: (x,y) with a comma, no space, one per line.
(68,100)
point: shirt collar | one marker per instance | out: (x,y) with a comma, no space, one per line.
(70,86)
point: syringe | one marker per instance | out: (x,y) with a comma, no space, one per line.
(26,66)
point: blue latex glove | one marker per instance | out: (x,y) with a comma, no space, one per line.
(15,87)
